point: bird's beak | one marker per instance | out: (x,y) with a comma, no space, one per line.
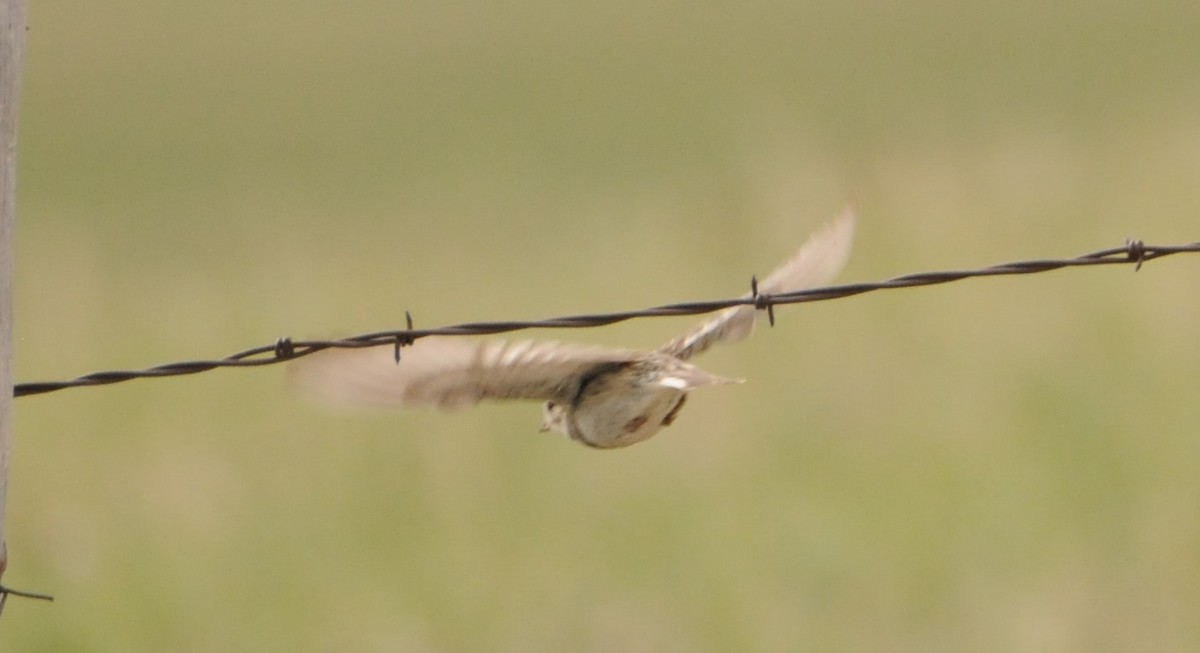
(543,429)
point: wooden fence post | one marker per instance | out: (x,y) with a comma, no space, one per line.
(12,46)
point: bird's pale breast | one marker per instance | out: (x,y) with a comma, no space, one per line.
(621,407)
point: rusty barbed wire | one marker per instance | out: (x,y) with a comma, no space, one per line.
(1133,252)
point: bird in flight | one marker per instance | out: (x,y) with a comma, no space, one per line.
(602,397)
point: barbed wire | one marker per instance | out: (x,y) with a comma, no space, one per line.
(5,592)
(1133,252)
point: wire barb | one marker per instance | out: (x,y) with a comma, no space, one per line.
(403,339)
(25,595)
(1134,251)
(5,592)
(284,349)
(1137,252)
(762,301)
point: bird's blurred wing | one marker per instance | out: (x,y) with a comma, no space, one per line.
(817,261)
(449,372)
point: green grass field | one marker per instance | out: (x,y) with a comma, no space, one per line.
(1007,464)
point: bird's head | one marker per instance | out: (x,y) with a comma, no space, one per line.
(554,417)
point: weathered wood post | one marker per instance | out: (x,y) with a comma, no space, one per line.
(12,46)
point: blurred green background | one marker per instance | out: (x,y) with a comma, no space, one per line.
(996,465)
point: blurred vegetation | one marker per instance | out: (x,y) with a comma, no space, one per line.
(997,465)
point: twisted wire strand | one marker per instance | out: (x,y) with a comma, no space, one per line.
(1134,252)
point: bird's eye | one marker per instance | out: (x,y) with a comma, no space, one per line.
(549,404)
